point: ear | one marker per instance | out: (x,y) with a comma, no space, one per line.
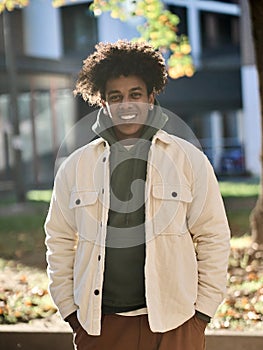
(151,98)
(103,103)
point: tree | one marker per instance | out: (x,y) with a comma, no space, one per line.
(14,116)
(256,13)
(159,27)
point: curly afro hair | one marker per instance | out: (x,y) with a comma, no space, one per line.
(111,60)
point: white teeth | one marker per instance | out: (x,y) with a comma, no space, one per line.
(128,117)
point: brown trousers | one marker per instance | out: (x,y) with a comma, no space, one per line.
(133,333)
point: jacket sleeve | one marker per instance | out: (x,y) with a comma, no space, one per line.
(210,231)
(61,240)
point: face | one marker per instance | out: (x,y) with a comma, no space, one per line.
(128,102)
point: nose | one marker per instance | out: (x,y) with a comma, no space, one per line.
(126,103)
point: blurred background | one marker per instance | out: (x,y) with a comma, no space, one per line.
(41,53)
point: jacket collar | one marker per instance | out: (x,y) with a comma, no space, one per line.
(161,135)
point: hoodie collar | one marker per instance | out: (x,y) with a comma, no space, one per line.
(160,135)
(105,128)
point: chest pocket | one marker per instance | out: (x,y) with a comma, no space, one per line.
(86,206)
(169,213)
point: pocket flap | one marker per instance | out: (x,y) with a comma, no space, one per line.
(172,192)
(82,198)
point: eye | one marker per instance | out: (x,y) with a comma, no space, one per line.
(114,98)
(136,95)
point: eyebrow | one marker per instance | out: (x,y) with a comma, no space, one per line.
(118,91)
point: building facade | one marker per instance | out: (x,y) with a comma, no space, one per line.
(219,103)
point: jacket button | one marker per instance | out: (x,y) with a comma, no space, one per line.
(99,257)
(96,292)
(78,201)
(174,194)
(104,159)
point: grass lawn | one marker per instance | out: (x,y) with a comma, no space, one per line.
(21,235)
(21,231)
(22,250)
(239,198)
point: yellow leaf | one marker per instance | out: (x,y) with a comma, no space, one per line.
(189,72)
(9,5)
(185,49)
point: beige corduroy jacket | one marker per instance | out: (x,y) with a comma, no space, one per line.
(187,234)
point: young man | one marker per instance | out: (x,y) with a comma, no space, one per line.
(137,236)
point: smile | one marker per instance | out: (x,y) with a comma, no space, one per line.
(128,117)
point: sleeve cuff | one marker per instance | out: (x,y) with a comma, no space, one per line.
(73,321)
(202,316)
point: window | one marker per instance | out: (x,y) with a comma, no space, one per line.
(231,128)
(220,33)
(79,27)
